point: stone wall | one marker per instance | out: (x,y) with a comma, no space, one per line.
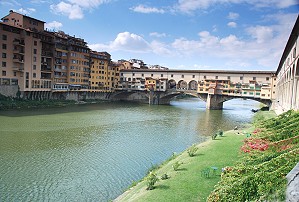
(292,194)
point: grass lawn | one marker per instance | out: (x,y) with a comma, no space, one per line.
(188,183)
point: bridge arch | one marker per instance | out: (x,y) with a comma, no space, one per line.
(182,85)
(192,85)
(172,84)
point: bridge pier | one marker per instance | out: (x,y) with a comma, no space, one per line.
(214,102)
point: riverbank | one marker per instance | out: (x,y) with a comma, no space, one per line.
(191,181)
(7,103)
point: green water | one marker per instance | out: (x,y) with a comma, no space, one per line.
(94,152)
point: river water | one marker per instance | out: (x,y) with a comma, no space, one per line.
(94,152)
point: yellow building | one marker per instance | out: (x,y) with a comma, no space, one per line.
(99,71)
(150,84)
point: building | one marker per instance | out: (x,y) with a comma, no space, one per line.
(100,73)
(40,64)
(255,84)
(26,55)
(288,74)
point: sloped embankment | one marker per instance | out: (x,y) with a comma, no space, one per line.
(270,154)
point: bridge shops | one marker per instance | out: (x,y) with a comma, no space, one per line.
(212,86)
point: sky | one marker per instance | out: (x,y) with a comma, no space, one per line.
(178,34)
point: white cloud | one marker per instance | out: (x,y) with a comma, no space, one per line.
(188,6)
(70,10)
(232,24)
(125,41)
(160,48)
(261,50)
(233,16)
(27,11)
(88,3)
(74,8)
(260,33)
(145,9)
(9,3)
(156,34)
(53,25)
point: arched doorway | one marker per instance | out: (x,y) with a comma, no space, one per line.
(192,85)
(182,85)
(171,84)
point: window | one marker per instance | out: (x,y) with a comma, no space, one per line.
(3,64)
(228,77)
(35,43)
(171,75)
(3,73)
(132,74)
(183,76)
(216,77)
(142,75)
(14,73)
(267,78)
(34,51)
(294,52)
(34,75)
(4,46)
(161,75)
(152,75)
(4,37)
(3,55)
(241,77)
(204,77)
(254,78)
(34,59)
(193,76)
(34,67)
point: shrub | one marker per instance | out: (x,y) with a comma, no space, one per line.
(151,180)
(176,165)
(164,176)
(192,150)
(220,133)
(214,136)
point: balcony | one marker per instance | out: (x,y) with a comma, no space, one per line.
(18,42)
(18,68)
(46,68)
(17,51)
(47,54)
(18,60)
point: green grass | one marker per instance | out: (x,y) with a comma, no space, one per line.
(188,184)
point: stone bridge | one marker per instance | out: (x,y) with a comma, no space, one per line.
(213,87)
(164,97)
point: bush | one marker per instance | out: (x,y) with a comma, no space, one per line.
(214,136)
(192,150)
(151,180)
(176,165)
(164,176)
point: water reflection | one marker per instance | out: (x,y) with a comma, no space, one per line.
(93,152)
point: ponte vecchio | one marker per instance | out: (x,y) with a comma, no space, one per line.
(212,86)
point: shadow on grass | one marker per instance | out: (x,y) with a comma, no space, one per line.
(195,155)
(182,169)
(163,187)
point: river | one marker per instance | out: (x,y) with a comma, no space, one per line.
(94,152)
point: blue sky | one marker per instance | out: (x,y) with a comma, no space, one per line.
(178,34)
